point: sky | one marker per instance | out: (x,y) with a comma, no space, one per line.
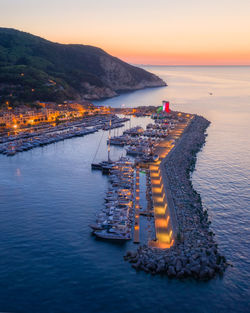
(160,32)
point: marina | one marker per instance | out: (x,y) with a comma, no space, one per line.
(115,219)
(120,217)
(147,153)
(49,196)
(28,139)
(124,223)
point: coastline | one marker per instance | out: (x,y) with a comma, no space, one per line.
(194,253)
(59,174)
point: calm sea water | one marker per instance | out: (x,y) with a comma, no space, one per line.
(49,262)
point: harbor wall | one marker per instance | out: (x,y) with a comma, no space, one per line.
(176,169)
(165,174)
(195,253)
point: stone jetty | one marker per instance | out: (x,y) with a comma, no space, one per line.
(195,253)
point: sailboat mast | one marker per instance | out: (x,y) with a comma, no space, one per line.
(109,140)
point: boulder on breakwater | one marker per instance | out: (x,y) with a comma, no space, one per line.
(195,253)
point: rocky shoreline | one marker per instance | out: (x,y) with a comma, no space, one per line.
(195,253)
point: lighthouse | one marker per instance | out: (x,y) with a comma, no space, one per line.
(165,106)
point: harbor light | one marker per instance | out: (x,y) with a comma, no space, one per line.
(157,189)
(160,209)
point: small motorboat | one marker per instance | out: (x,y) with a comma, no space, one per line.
(156,158)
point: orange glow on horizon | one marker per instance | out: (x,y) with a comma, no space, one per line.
(145,54)
(187,59)
(166,56)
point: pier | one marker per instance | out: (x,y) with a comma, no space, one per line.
(164,220)
(137,207)
(163,229)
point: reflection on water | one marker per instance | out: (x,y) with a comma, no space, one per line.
(48,196)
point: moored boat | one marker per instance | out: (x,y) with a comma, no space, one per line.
(111,235)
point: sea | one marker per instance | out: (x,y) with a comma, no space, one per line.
(50,261)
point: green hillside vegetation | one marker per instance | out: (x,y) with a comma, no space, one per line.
(32,68)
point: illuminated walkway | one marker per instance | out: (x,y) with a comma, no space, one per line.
(137,207)
(163,226)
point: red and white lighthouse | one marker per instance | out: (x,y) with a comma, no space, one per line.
(165,106)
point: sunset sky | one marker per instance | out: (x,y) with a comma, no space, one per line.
(142,31)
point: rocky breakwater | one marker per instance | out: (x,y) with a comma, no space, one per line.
(195,253)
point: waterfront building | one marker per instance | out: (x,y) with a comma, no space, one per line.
(47,112)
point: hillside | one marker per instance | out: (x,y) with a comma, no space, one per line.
(32,68)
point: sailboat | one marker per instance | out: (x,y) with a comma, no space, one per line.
(104,166)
